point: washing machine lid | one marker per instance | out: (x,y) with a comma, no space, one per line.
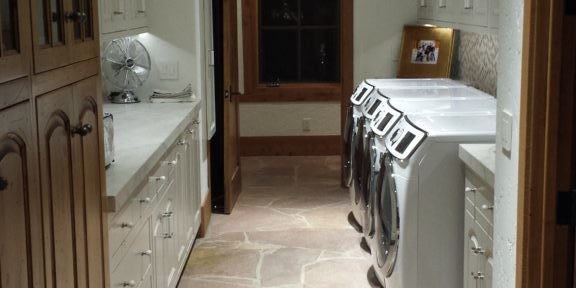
(385,120)
(481,106)
(372,106)
(361,93)
(414,83)
(435,93)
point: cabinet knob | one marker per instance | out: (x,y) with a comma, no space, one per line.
(172,163)
(145,200)
(470,189)
(77,16)
(127,225)
(478,250)
(130,283)
(477,275)
(167,214)
(82,130)
(3,184)
(168,235)
(487,207)
(181,142)
(153,179)
(196,122)
(146,253)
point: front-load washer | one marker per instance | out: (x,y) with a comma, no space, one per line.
(419,209)
(365,98)
(387,118)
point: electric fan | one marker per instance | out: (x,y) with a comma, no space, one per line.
(126,65)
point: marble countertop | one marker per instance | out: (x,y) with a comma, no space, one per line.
(143,133)
(481,158)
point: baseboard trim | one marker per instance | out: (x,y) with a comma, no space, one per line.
(290,146)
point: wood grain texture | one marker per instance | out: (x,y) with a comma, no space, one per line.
(17,64)
(54,79)
(347,65)
(290,145)
(206,214)
(14,92)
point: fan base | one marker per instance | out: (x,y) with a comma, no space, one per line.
(124,97)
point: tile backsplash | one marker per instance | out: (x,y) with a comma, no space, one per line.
(476,60)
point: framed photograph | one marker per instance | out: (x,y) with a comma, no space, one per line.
(426,52)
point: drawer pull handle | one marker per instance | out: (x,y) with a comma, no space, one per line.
(181,143)
(478,275)
(478,251)
(82,130)
(161,178)
(172,163)
(145,200)
(470,189)
(146,253)
(168,235)
(118,13)
(127,225)
(487,207)
(196,122)
(167,214)
(141,11)
(130,283)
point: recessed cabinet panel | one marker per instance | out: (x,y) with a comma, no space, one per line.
(14,39)
(123,15)
(474,12)
(18,202)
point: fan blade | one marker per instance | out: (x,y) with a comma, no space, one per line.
(113,61)
(135,75)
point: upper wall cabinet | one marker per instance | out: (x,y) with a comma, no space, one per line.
(122,15)
(14,39)
(473,12)
(446,10)
(494,14)
(426,9)
(64,32)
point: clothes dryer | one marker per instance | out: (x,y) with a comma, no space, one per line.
(419,209)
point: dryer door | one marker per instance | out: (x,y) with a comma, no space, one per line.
(377,176)
(366,165)
(347,147)
(389,223)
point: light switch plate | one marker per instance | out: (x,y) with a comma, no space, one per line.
(506,125)
(168,70)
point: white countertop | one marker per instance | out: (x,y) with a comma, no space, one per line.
(143,133)
(481,158)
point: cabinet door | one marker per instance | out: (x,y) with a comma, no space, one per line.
(426,9)
(471,246)
(20,236)
(165,244)
(64,32)
(70,167)
(474,12)
(15,44)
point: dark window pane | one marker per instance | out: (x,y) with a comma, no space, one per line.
(320,12)
(88,31)
(279,55)
(57,21)
(42,26)
(278,12)
(320,55)
(77,24)
(9,17)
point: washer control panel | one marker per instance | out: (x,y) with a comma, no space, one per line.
(361,93)
(386,119)
(404,139)
(373,106)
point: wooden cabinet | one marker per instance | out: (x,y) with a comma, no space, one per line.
(123,15)
(64,32)
(478,231)
(70,169)
(14,39)
(20,229)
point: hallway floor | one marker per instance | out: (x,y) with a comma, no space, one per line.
(289,229)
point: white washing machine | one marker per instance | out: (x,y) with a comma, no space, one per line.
(419,209)
(366,103)
(389,115)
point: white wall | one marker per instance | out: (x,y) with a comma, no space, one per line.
(377,36)
(506,186)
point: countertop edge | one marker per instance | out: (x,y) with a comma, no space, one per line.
(469,154)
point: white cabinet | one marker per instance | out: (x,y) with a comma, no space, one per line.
(446,10)
(473,12)
(152,235)
(478,231)
(122,15)
(426,9)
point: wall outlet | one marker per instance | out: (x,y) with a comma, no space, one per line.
(168,70)
(306,124)
(506,125)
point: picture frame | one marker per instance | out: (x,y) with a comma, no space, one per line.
(426,52)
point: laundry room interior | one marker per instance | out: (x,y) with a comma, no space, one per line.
(287,143)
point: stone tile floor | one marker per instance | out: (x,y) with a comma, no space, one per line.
(288,230)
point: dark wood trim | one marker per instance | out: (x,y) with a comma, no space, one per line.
(544,249)
(255,92)
(290,146)
(347,64)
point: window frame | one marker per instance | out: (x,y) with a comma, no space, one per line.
(254,91)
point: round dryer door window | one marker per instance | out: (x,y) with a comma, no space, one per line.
(377,176)
(347,146)
(388,222)
(357,161)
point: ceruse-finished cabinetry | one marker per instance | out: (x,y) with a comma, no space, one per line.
(52,233)
(64,32)
(152,234)
(478,231)
(477,13)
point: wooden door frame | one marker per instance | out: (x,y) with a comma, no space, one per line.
(544,253)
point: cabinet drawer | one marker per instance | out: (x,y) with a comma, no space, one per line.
(121,225)
(130,271)
(484,203)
